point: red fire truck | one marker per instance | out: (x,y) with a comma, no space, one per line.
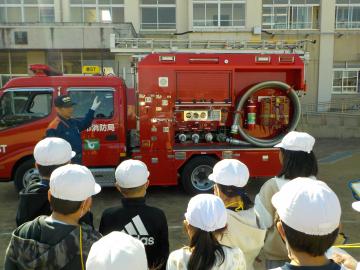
(186,112)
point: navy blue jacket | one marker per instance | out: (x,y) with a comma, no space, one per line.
(33,202)
(69,130)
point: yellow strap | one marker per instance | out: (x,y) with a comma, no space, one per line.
(238,205)
(353,245)
(81,251)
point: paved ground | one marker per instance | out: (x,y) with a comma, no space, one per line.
(339,162)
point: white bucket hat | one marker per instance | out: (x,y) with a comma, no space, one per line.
(117,250)
(53,151)
(308,206)
(206,212)
(73,182)
(297,141)
(230,172)
(131,173)
(356,206)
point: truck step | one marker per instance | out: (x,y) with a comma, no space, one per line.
(105,177)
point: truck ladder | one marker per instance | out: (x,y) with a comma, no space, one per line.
(149,45)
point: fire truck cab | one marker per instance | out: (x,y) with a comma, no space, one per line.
(187,111)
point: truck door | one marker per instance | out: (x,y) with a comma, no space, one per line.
(103,142)
(24,116)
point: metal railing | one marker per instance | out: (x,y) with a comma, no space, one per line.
(342,106)
(147,45)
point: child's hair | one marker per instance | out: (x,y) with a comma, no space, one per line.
(46,171)
(64,207)
(205,249)
(298,164)
(233,191)
(129,192)
(314,245)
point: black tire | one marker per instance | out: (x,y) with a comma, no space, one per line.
(194,175)
(25,173)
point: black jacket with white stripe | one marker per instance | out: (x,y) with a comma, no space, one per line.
(144,222)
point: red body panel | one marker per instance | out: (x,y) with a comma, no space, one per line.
(165,90)
(217,84)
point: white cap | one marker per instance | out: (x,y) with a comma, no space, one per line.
(117,250)
(206,212)
(131,173)
(53,151)
(356,206)
(73,182)
(308,206)
(230,172)
(297,141)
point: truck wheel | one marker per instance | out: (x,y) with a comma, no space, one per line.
(25,173)
(194,176)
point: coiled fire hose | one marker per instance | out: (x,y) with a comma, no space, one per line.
(235,128)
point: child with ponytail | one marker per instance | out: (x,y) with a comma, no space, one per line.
(205,221)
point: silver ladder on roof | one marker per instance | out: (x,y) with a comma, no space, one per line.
(149,45)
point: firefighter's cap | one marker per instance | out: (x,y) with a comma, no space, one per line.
(206,212)
(117,249)
(64,102)
(230,172)
(308,206)
(53,151)
(73,182)
(297,141)
(131,173)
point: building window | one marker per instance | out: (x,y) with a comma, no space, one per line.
(19,63)
(29,11)
(4,62)
(291,14)
(72,61)
(217,13)
(12,64)
(347,14)
(158,14)
(346,81)
(20,38)
(89,11)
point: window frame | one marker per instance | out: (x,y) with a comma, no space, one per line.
(157,6)
(219,20)
(23,6)
(348,24)
(342,87)
(73,89)
(290,15)
(39,90)
(98,7)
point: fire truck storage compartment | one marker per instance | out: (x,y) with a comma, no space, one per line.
(203,86)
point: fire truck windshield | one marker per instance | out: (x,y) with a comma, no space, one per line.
(20,106)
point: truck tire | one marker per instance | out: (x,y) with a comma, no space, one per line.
(25,173)
(194,176)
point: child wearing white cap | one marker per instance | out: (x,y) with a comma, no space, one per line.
(58,241)
(345,259)
(134,217)
(230,177)
(49,154)
(115,251)
(298,160)
(308,222)
(205,222)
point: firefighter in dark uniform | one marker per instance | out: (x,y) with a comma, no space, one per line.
(67,128)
